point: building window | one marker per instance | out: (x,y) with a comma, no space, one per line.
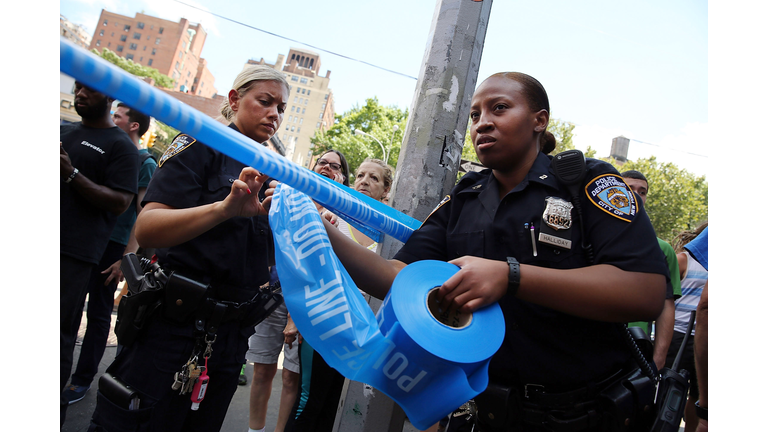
(181,55)
(154,51)
(149,37)
(177,65)
(152,27)
(306,101)
(317,126)
(298,130)
(304,81)
(141,59)
(157,41)
(67,104)
(295,98)
(293,108)
(308,92)
(298,90)
(301,120)
(101,33)
(123,38)
(109,44)
(98,43)
(140,25)
(145,48)
(113,34)
(294,78)
(133,46)
(129,56)
(127,28)
(150,62)
(161,30)
(303,110)
(301,100)
(137,36)
(105,22)
(119,48)
(303,91)
(293,128)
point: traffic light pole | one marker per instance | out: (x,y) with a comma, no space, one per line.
(427,165)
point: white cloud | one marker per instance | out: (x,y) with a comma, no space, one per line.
(689,149)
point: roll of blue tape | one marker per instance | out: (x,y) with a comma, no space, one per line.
(115,82)
(428,361)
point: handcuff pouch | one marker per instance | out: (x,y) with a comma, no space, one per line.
(627,404)
(493,406)
(183,297)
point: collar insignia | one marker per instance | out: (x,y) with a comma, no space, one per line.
(477,186)
(543,176)
(609,193)
(557,214)
(181,142)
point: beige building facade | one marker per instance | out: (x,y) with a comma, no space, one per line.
(173,48)
(310,102)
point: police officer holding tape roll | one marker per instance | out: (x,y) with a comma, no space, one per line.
(567,265)
(203,213)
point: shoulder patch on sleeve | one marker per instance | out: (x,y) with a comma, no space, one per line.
(611,195)
(442,203)
(181,142)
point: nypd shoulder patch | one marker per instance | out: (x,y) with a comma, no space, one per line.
(181,142)
(610,194)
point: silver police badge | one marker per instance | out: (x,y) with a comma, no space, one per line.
(558,213)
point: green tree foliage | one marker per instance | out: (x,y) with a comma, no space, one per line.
(372,118)
(165,135)
(562,130)
(677,199)
(134,68)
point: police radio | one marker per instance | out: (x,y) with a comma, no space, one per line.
(673,389)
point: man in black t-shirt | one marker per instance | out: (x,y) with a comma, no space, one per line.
(99,168)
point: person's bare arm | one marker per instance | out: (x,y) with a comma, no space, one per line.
(372,273)
(160,225)
(599,292)
(701,346)
(112,200)
(665,328)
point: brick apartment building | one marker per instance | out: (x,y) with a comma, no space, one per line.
(310,102)
(173,48)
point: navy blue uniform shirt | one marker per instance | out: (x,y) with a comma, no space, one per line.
(231,256)
(541,345)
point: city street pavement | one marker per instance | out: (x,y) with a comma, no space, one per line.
(79,414)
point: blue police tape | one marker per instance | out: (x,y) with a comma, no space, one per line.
(116,83)
(429,368)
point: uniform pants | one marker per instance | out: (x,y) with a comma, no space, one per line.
(73,285)
(321,385)
(148,366)
(101,302)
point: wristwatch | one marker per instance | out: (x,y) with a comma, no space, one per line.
(71,176)
(514,276)
(700,411)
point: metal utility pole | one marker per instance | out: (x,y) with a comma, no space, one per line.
(428,164)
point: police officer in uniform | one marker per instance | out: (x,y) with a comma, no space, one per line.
(202,213)
(514,232)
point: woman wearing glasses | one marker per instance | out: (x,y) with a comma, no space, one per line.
(321,385)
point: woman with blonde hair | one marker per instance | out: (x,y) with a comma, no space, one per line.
(204,215)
